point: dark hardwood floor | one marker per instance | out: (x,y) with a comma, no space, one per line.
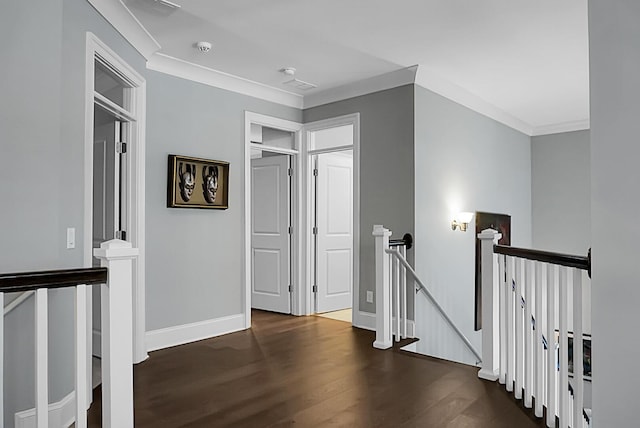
(310,372)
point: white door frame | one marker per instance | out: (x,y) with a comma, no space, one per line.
(296,197)
(136,115)
(350,119)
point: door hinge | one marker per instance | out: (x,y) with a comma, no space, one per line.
(121,234)
(290,230)
(315,172)
(121,148)
(315,288)
(290,172)
(290,289)
(315,230)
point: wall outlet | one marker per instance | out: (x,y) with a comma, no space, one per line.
(369,296)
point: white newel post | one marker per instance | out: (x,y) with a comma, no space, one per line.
(383,288)
(490,338)
(117,334)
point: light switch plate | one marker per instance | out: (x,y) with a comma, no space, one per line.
(71,237)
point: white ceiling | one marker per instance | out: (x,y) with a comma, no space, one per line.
(528,59)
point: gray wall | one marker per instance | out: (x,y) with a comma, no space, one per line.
(41,170)
(561,192)
(614,39)
(194,257)
(42,167)
(386,168)
(464,161)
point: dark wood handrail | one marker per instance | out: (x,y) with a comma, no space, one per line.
(28,281)
(580,262)
(407,240)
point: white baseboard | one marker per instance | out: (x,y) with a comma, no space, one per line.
(367,321)
(187,333)
(61,414)
(96,343)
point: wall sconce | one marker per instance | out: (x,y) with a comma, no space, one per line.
(461,221)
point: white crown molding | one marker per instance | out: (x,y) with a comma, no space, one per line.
(404,76)
(197,73)
(121,18)
(557,128)
(453,92)
(181,334)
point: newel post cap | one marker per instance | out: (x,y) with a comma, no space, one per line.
(489,234)
(379,230)
(116,249)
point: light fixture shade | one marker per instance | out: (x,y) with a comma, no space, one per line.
(464,217)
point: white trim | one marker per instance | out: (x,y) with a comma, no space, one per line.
(125,23)
(96,344)
(435,83)
(404,76)
(367,321)
(349,119)
(61,414)
(187,333)
(296,192)
(273,149)
(135,174)
(557,128)
(208,76)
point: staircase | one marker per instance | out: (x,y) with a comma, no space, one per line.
(526,347)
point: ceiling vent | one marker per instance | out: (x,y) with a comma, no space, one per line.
(300,84)
(296,83)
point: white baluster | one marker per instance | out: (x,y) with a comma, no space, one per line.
(578,357)
(81,356)
(117,334)
(563,395)
(396,294)
(519,314)
(490,369)
(503,317)
(511,371)
(528,334)
(538,348)
(403,291)
(551,351)
(42,359)
(383,304)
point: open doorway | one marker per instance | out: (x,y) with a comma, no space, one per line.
(333,261)
(114,170)
(272,257)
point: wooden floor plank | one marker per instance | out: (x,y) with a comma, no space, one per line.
(310,372)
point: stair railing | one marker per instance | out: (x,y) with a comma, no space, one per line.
(526,327)
(115,275)
(392,268)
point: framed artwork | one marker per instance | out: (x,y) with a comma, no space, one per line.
(197,183)
(501,223)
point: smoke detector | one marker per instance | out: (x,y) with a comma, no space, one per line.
(289,71)
(203,46)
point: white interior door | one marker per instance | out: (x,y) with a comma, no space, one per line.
(334,233)
(270,238)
